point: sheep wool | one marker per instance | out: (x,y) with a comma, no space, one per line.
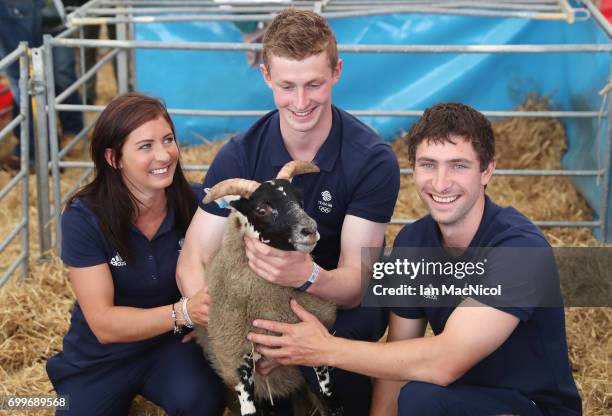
(239,296)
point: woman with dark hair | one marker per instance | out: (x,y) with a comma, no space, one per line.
(122,234)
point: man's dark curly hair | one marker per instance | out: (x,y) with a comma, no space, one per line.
(444,120)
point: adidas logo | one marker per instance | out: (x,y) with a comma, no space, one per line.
(117,261)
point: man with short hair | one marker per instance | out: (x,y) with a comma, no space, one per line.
(351,199)
(483,360)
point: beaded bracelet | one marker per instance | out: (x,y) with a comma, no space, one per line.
(186,318)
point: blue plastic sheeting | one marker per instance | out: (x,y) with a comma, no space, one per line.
(224,81)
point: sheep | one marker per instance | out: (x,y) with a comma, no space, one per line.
(271,212)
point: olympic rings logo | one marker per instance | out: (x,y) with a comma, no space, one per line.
(326,210)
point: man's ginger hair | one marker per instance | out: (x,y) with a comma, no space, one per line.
(299,34)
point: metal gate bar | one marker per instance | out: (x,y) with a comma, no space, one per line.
(21,178)
(428,49)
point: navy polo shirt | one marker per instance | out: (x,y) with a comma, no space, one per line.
(533,360)
(359,175)
(148,281)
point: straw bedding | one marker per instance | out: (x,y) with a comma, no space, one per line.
(34,317)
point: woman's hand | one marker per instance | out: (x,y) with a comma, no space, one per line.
(198,306)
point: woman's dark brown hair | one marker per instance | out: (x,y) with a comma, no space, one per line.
(107,195)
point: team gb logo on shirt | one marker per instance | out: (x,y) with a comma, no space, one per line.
(325,206)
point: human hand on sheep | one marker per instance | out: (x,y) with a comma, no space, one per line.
(197,307)
(305,343)
(285,268)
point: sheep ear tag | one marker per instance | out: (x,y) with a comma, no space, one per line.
(224,201)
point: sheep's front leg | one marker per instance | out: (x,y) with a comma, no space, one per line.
(246,386)
(328,398)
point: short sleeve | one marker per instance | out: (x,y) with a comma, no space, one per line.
(409,313)
(523,314)
(229,163)
(82,240)
(377,188)
(524,268)
(404,239)
(198,192)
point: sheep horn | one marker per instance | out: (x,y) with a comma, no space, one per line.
(236,186)
(296,167)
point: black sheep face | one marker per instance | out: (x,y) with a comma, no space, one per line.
(276,213)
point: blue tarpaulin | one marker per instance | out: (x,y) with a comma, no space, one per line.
(224,80)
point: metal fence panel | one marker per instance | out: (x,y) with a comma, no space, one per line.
(21,178)
(340,9)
